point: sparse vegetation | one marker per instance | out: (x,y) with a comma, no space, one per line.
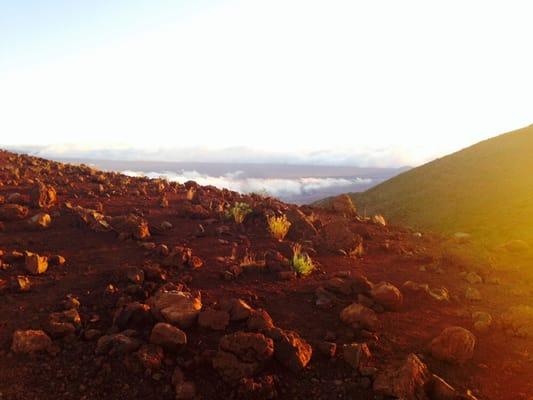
(278,226)
(250,260)
(238,212)
(301,262)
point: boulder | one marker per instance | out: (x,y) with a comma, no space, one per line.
(482,321)
(168,336)
(343,205)
(387,295)
(359,316)
(30,341)
(13,212)
(63,323)
(302,227)
(119,343)
(131,226)
(454,345)
(175,307)
(42,196)
(291,350)
(40,221)
(406,381)
(134,315)
(35,264)
(242,355)
(239,310)
(260,320)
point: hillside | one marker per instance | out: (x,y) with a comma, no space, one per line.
(114,287)
(485,190)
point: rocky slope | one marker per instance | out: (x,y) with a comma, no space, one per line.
(119,288)
(484,190)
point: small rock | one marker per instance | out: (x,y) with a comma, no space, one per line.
(35,264)
(356,354)
(168,336)
(360,316)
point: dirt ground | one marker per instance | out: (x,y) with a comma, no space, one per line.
(501,366)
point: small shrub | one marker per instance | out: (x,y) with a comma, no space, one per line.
(278,226)
(301,262)
(238,212)
(250,260)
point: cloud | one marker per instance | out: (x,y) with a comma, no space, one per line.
(363,156)
(278,187)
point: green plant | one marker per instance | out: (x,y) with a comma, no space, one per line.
(238,212)
(301,262)
(278,226)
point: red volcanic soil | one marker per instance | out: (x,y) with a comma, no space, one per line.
(115,268)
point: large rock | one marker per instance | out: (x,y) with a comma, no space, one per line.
(290,349)
(131,226)
(168,336)
(30,341)
(387,295)
(175,307)
(119,343)
(302,227)
(63,323)
(454,344)
(13,212)
(42,196)
(134,315)
(242,355)
(35,264)
(406,382)
(260,320)
(40,221)
(343,205)
(359,316)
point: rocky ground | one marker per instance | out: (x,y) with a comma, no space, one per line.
(114,287)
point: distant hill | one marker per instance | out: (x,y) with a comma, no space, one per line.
(485,190)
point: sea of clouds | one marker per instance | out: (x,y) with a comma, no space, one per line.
(237,181)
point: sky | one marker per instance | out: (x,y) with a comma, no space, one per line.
(369,83)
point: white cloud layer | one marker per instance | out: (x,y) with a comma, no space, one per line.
(282,188)
(362,156)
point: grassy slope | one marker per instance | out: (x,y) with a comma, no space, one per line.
(486,190)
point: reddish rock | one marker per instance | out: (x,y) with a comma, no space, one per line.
(454,345)
(30,341)
(356,354)
(13,212)
(35,264)
(406,381)
(168,336)
(242,355)
(260,320)
(291,350)
(150,356)
(359,316)
(43,196)
(214,319)
(387,295)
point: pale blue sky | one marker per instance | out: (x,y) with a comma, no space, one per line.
(339,81)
